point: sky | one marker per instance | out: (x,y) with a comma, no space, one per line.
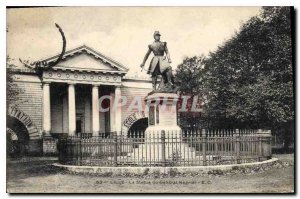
(122,33)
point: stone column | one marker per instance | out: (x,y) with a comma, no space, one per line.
(72,110)
(118,110)
(112,112)
(46,109)
(95,110)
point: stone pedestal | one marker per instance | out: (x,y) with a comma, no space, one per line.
(162,114)
(163,140)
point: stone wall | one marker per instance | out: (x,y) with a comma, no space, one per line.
(29,101)
(35,147)
(30,98)
(131,89)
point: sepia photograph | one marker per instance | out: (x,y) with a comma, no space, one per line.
(162,99)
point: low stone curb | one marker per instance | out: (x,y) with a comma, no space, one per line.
(123,171)
(32,159)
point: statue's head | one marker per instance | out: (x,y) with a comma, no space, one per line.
(156,35)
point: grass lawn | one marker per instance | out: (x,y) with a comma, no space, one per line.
(41,177)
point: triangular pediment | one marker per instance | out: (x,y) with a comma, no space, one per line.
(82,61)
(85,58)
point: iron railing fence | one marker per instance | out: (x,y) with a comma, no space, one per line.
(167,148)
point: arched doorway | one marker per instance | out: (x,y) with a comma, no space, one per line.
(17,137)
(138,128)
(14,112)
(135,124)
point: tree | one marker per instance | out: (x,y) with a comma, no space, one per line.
(189,79)
(12,89)
(251,75)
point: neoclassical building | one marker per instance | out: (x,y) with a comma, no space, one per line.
(63,101)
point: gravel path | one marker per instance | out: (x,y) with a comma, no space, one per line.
(39,177)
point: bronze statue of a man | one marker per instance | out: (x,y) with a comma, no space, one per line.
(160,64)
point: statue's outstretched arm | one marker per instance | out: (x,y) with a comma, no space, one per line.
(146,57)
